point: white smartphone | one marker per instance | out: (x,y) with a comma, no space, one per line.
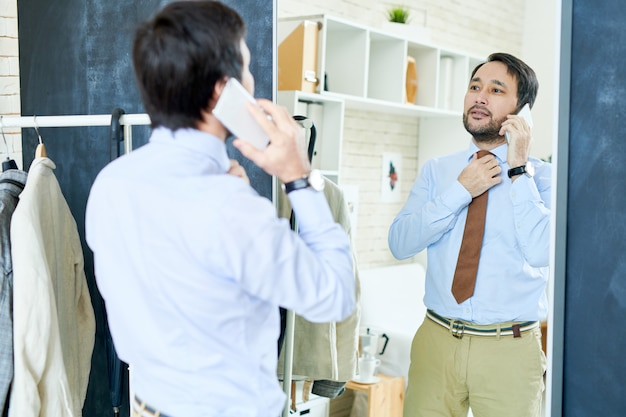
(232,111)
(525,114)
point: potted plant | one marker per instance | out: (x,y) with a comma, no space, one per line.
(398,18)
(398,14)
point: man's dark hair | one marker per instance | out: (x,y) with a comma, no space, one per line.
(527,84)
(180,54)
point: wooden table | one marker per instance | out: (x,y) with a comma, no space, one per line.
(384,398)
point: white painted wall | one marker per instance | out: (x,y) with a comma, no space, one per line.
(541,51)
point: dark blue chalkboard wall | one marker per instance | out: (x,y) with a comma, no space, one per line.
(75,58)
(594,367)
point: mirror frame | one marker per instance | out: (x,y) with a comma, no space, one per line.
(556,320)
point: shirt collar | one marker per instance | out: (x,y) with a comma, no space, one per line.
(500,152)
(196,141)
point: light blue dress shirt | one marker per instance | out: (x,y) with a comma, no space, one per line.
(513,268)
(192,264)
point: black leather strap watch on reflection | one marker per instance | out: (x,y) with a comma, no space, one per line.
(314,180)
(527,169)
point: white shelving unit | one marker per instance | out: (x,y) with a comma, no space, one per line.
(365,68)
(327,114)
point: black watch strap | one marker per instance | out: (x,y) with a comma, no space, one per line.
(517,171)
(315,181)
(298,184)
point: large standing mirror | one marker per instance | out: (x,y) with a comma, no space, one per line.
(365,127)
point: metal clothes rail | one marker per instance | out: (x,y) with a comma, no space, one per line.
(126,120)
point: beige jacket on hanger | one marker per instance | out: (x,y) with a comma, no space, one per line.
(326,351)
(53,318)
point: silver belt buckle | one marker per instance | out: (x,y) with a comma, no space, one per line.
(457,329)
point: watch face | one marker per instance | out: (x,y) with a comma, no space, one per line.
(316,180)
(530,169)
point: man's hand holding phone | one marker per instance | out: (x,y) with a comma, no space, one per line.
(517,130)
(285,156)
(265,133)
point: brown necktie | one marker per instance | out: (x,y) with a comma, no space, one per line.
(467,264)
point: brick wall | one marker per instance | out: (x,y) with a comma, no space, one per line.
(367,135)
(9,79)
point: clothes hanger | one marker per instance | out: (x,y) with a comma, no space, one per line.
(40,151)
(308,124)
(9,163)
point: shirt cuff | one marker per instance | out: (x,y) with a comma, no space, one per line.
(455,197)
(523,190)
(310,207)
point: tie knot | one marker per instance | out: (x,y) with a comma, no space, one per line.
(482,153)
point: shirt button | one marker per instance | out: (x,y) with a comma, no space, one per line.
(467,310)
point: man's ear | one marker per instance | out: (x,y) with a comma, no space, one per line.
(218,88)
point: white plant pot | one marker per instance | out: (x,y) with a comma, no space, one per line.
(419,34)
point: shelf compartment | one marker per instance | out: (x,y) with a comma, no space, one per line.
(327,115)
(426,61)
(344,58)
(453,81)
(386,71)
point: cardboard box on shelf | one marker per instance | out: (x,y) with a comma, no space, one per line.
(297,58)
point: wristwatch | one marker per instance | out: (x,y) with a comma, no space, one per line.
(527,170)
(314,180)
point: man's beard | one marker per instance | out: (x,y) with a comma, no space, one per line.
(488,133)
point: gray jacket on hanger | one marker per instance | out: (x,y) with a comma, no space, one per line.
(11,185)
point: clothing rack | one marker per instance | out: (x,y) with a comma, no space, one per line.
(126,120)
(121,131)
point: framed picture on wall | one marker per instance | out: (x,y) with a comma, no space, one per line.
(390,176)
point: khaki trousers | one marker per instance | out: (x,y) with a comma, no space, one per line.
(496,376)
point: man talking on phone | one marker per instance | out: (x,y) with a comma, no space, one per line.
(483,215)
(191,262)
